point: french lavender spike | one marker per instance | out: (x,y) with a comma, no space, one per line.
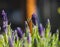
(34,19)
(26,25)
(26,28)
(13,36)
(16,36)
(41,29)
(19,32)
(10,42)
(5,21)
(4,15)
(28,34)
(29,37)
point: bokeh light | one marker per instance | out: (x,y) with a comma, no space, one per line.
(58,10)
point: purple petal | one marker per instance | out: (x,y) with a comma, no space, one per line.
(16,36)
(5,24)
(29,38)
(34,19)
(12,36)
(10,42)
(41,29)
(19,32)
(4,15)
(5,21)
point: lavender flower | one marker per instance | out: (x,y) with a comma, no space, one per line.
(29,38)
(19,32)
(34,19)
(28,34)
(26,25)
(5,20)
(5,23)
(13,36)
(26,28)
(41,29)
(16,36)
(4,15)
(10,42)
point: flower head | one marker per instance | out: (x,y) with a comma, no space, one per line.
(19,32)
(34,19)
(10,42)
(41,29)
(4,15)
(26,25)
(16,36)
(29,37)
(5,20)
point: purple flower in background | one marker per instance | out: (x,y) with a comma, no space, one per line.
(27,33)
(13,39)
(41,29)
(5,20)
(5,23)
(34,19)
(29,37)
(16,36)
(4,15)
(19,32)
(10,42)
(26,25)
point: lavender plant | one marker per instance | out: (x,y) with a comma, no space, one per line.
(41,37)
